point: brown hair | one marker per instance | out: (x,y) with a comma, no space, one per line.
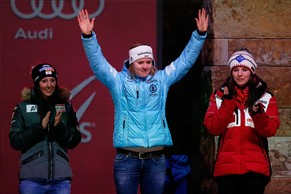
(252,94)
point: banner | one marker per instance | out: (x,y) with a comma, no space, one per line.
(47,31)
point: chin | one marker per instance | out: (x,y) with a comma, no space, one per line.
(241,85)
(143,75)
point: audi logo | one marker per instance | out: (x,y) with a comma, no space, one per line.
(57,8)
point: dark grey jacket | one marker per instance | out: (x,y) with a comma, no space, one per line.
(44,152)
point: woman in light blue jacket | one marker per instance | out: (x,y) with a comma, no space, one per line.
(139,94)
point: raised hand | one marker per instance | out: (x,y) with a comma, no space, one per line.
(86,25)
(202,20)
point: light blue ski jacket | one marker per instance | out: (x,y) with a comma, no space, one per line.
(139,104)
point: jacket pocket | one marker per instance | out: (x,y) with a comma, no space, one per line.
(63,155)
(33,157)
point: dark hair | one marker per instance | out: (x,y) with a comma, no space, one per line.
(46,105)
(252,94)
(243,49)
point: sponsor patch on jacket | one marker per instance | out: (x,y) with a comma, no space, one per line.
(31,108)
(60,108)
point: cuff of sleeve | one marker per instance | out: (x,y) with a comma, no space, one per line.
(87,35)
(201,33)
(228,96)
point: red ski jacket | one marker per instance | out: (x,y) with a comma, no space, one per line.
(242,145)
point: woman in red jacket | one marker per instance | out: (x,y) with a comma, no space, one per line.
(243,113)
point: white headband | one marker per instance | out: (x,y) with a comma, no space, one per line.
(244,59)
(140,52)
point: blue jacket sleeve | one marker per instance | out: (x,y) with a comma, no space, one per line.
(178,68)
(102,70)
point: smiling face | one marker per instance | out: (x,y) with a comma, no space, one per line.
(142,67)
(47,86)
(241,75)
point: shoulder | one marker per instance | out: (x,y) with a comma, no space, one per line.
(25,94)
(64,94)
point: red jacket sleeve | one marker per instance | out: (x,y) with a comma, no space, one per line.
(267,123)
(216,120)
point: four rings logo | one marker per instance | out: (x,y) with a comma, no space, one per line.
(57,9)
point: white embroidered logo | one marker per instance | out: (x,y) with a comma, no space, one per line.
(31,108)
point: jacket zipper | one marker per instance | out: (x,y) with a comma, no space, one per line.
(137,93)
(50,156)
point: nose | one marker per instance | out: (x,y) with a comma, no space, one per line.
(49,84)
(145,66)
(240,72)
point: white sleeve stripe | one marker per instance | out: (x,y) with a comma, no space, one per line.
(170,68)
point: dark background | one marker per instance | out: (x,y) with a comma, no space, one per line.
(184,99)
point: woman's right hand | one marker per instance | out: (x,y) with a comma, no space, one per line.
(226,93)
(45,120)
(86,25)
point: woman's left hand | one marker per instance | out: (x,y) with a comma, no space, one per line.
(202,21)
(58,118)
(257,108)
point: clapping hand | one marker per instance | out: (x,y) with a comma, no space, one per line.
(58,118)
(45,120)
(226,93)
(257,108)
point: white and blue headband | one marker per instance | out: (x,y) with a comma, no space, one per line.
(139,52)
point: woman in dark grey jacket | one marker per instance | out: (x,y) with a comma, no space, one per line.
(43,127)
